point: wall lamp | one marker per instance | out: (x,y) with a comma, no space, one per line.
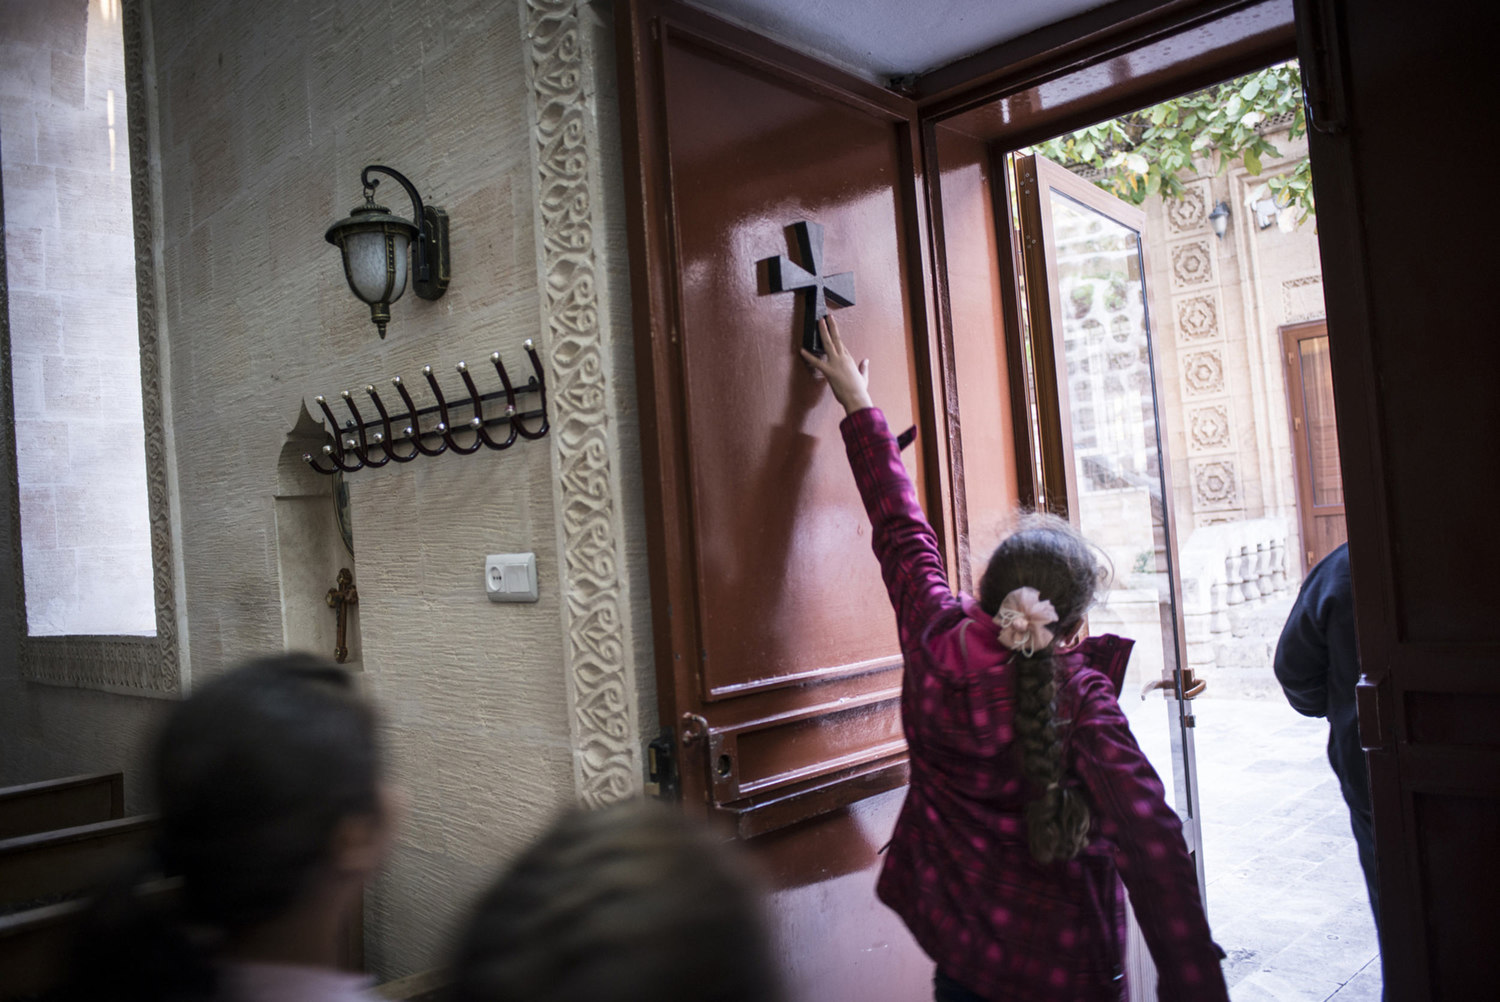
(1219,219)
(376,246)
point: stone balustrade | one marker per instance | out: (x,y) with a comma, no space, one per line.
(1228,571)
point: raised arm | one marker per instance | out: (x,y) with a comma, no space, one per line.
(1150,853)
(904,542)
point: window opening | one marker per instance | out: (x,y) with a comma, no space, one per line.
(74,330)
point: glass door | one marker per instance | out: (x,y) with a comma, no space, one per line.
(1102,454)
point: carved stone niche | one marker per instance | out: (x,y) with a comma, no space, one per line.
(313,543)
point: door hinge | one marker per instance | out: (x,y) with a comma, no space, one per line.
(662,780)
(1322,54)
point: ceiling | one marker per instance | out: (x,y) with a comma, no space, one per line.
(884,38)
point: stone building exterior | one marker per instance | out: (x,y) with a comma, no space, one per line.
(1221,304)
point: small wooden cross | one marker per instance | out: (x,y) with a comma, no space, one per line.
(340,598)
(823,290)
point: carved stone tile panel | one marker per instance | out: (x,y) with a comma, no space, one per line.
(1215,484)
(1209,428)
(1302,299)
(1203,372)
(1197,318)
(1189,213)
(1192,263)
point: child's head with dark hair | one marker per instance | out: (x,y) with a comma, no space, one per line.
(1048,555)
(273,814)
(632,903)
(254,774)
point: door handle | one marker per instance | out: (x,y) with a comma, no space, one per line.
(1161,683)
(1192,687)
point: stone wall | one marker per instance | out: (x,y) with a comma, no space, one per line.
(497,715)
(1223,302)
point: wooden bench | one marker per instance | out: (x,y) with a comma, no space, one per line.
(55,864)
(61,803)
(34,944)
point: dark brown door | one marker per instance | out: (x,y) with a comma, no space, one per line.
(1315,440)
(778,666)
(1414,362)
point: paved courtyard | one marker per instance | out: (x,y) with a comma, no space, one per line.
(1286,897)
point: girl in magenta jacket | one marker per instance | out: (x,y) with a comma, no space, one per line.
(1030,800)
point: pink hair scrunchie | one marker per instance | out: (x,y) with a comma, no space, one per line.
(1023,619)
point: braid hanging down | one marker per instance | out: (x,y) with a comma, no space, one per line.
(1049,555)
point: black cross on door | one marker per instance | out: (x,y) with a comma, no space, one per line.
(823,291)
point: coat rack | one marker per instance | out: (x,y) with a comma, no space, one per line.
(357,444)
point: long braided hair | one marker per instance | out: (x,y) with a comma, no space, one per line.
(1049,555)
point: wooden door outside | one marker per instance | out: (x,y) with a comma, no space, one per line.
(1315,440)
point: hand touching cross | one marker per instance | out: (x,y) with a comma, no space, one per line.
(850,380)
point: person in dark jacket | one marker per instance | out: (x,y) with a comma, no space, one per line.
(1317,665)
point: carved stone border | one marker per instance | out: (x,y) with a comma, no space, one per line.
(585,456)
(146,666)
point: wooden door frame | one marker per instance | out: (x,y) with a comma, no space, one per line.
(1290,336)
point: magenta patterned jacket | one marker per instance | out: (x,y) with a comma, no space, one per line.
(958,870)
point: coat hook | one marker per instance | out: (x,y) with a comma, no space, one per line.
(481,433)
(357,443)
(385,424)
(540,385)
(336,452)
(362,449)
(414,430)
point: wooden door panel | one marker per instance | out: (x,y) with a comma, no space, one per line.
(1414,384)
(783,570)
(778,661)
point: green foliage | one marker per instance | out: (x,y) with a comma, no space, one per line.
(1146,153)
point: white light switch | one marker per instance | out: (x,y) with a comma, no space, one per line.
(510,577)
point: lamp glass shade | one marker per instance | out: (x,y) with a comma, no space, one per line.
(375,246)
(1219,219)
(376,264)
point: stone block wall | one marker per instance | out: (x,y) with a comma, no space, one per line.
(1222,302)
